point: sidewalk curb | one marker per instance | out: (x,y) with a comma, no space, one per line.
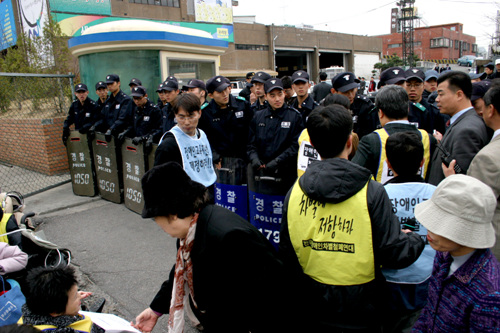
(76,204)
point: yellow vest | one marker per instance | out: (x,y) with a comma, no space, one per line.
(333,242)
(84,325)
(3,227)
(383,172)
(306,153)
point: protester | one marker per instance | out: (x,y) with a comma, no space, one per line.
(226,277)
(337,230)
(464,290)
(53,301)
(12,259)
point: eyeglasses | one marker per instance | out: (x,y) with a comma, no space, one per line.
(414,85)
(184,118)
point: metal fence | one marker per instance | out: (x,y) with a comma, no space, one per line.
(32,111)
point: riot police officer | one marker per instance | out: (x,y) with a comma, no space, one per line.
(101,89)
(134,83)
(117,112)
(198,88)
(167,91)
(304,102)
(365,118)
(258,81)
(274,133)
(225,120)
(82,112)
(146,119)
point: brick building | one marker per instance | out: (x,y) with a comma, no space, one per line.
(438,43)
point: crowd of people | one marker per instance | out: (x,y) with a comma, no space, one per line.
(378,233)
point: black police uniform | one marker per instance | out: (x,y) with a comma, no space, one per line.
(427,116)
(365,116)
(305,109)
(273,136)
(256,106)
(227,129)
(146,121)
(167,121)
(100,104)
(83,116)
(245,93)
(116,114)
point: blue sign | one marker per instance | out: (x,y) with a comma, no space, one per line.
(8,34)
(266,212)
(232,197)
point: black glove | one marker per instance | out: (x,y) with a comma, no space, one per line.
(149,144)
(83,130)
(137,140)
(108,136)
(256,163)
(121,136)
(272,166)
(65,138)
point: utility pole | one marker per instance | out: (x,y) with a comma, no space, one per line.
(406,22)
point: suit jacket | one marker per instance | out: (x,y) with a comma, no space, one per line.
(321,90)
(237,277)
(486,167)
(463,139)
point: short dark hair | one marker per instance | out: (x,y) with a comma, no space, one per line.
(492,96)
(405,151)
(457,81)
(338,99)
(329,128)
(48,289)
(323,76)
(287,82)
(188,102)
(393,101)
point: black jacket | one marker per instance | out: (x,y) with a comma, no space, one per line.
(227,129)
(245,93)
(167,121)
(321,90)
(368,153)
(83,116)
(358,306)
(426,115)
(116,113)
(365,116)
(305,109)
(256,106)
(238,280)
(145,121)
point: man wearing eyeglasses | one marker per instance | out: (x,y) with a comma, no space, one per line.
(421,113)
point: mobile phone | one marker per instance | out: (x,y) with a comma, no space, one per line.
(446,159)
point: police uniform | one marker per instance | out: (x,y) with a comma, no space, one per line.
(306,107)
(116,113)
(83,116)
(365,116)
(426,116)
(167,121)
(256,106)
(227,129)
(146,121)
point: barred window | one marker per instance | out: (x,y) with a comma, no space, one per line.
(252,47)
(166,3)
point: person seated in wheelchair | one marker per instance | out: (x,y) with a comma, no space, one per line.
(8,224)
(53,301)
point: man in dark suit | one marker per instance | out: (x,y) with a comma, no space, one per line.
(467,133)
(321,89)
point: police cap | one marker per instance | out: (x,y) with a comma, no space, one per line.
(135,82)
(415,73)
(250,75)
(217,83)
(112,78)
(138,91)
(195,83)
(300,75)
(431,74)
(170,85)
(392,75)
(271,84)
(81,87)
(100,85)
(474,76)
(261,77)
(171,78)
(479,89)
(345,81)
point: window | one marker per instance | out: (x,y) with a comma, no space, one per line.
(166,3)
(252,47)
(392,46)
(457,44)
(440,42)
(474,48)
(187,69)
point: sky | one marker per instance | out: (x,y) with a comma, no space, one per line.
(372,17)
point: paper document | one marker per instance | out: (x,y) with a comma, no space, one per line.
(109,322)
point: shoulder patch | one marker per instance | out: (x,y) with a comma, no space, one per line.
(241,98)
(294,109)
(204,106)
(420,106)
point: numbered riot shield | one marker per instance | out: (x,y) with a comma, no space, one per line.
(151,156)
(231,189)
(80,165)
(108,169)
(266,195)
(134,167)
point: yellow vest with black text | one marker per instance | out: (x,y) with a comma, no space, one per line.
(307,153)
(84,325)
(383,172)
(333,242)
(3,228)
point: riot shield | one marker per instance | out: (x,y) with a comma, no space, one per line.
(266,195)
(108,169)
(231,189)
(134,167)
(80,165)
(151,156)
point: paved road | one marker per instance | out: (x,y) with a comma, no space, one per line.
(120,255)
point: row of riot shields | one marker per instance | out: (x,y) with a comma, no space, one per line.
(115,171)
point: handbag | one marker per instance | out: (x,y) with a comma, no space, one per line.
(11,302)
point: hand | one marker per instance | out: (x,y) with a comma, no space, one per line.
(448,171)
(146,321)
(137,140)
(406,231)
(65,139)
(437,135)
(272,166)
(108,136)
(84,294)
(257,164)
(121,136)
(83,130)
